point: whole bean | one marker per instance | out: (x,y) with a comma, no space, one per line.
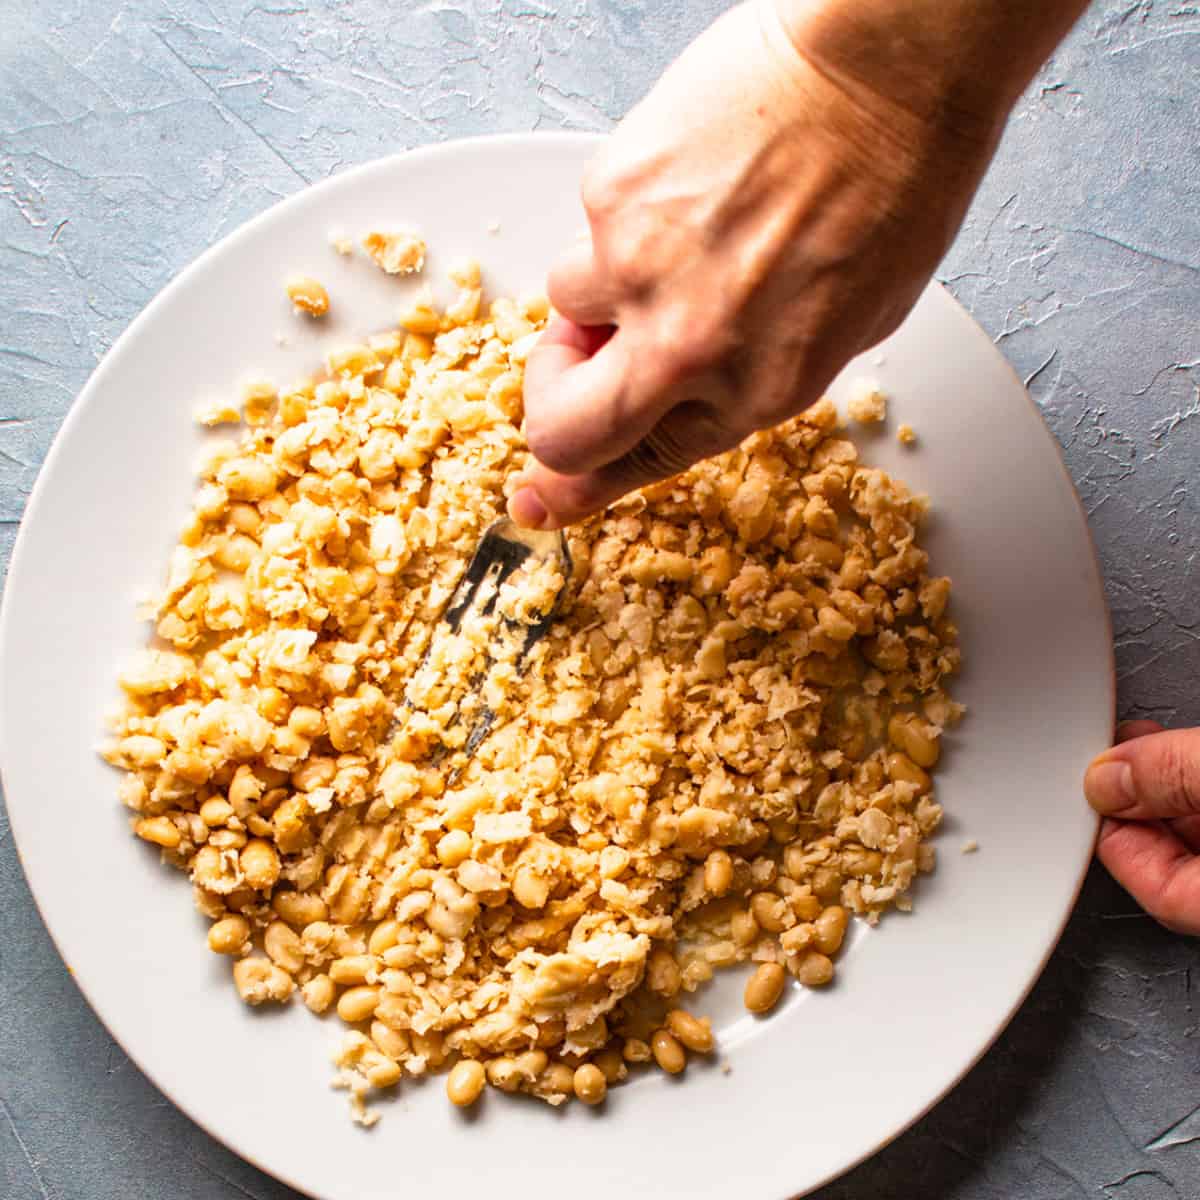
(590,1084)
(216,810)
(718,873)
(299,909)
(668,1052)
(352,969)
(357,1004)
(770,911)
(384,936)
(465,1082)
(794,864)
(260,864)
(764,987)
(380,1070)
(831,929)
(454,848)
(159,830)
(228,935)
(814,969)
(694,1033)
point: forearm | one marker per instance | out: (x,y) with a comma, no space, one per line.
(952,62)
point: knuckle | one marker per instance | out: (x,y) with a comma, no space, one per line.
(689,339)
(599,190)
(564,286)
(574,272)
(627,264)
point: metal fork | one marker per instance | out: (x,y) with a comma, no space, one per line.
(503,548)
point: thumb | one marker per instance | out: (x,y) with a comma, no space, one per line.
(1148,778)
(585,403)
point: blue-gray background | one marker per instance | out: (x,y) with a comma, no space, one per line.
(134,135)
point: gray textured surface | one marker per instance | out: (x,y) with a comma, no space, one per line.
(132,136)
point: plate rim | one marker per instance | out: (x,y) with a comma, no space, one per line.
(246,230)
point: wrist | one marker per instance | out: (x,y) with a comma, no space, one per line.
(955,66)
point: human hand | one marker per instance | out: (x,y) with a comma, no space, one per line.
(774,206)
(1147,788)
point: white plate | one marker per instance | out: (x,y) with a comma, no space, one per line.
(821,1084)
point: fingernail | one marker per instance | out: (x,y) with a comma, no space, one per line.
(1109,786)
(526,508)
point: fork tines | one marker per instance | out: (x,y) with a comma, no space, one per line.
(495,559)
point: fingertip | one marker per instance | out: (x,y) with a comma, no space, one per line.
(545,499)
(525,507)
(1108,786)
(1153,776)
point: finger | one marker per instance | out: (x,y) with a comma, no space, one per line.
(690,432)
(581,410)
(1153,776)
(580,290)
(566,344)
(1156,869)
(1187,829)
(1128,730)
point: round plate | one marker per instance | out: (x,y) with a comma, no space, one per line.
(822,1083)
